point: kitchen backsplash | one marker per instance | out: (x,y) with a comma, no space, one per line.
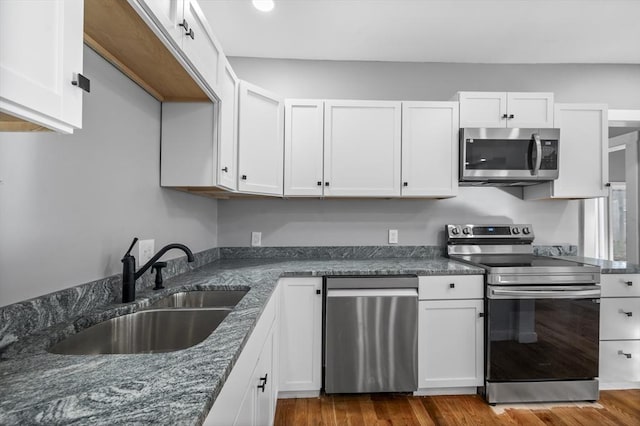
(24,318)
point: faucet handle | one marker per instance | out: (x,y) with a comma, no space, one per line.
(128,253)
(158,268)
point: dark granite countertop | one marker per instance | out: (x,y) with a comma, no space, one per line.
(606,266)
(179,387)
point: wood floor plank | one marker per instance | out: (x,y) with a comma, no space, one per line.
(619,408)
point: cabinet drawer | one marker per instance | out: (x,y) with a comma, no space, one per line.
(620,285)
(620,318)
(451,287)
(615,366)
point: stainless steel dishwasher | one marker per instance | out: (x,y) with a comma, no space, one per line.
(371,334)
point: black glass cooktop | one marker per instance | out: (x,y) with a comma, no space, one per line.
(519,261)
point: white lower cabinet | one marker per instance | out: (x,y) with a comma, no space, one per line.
(300,337)
(249,395)
(450,335)
(620,331)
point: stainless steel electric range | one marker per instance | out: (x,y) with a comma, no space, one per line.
(542,316)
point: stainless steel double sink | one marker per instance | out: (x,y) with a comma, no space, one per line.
(178,321)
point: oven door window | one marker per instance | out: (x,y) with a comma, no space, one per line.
(542,339)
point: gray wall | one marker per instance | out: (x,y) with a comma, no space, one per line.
(70,204)
(616,85)
(297,222)
(342,222)
(616,166)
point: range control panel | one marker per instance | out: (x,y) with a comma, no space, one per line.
(479,232)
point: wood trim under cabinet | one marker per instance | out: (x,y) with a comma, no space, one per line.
(117,33)
(9,123)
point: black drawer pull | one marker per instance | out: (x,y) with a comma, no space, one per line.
(326,184)
(244,177)
(225,169)
(263,382)
(628,355)
(629,314)
(629,283)
(405,184)
(481,315)
(452,285)
(318,291)
(504,115)
(512,116)
(319,183)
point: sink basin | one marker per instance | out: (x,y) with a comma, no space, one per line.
(144,332)
(201,299)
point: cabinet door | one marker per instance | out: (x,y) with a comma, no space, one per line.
(429,149)
(303,140)
(362,148)
(228,142)
(301,334)
(200,46)
(583,154)
(529,109)
(260,141)
(168,14)
(246,412)
(450,343)
(40,53)
(264,384)
(483,109)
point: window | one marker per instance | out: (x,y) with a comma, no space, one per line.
(617,221)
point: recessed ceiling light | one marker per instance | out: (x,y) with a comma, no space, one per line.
(263,5)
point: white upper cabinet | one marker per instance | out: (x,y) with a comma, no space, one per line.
(583,157)
(506,109)
(260,141)
(362,148)
(188,144)
(199,45)
(40,58)
(429,149)
(303,142)
(228,142)
(185,25)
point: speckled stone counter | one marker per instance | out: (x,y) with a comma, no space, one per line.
(179,387)
(606,266)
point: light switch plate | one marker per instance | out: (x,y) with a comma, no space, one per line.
(256,239)
(393,236)
(146,249)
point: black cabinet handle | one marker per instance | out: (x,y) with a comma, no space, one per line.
(504,116)
(225,169)
(318,291)
(326,184)
(405,184)
(481,315)
(452,285)
(82,82)
(628,355)
(629,283)
(319,183)
(191,34)
(244,177)
(188,31)
(512,116)
(629,314)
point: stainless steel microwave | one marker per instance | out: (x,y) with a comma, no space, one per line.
(514,157)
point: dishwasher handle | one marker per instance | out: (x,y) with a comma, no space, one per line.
(373,292)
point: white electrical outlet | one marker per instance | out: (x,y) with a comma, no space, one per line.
(393,236)
(256,239)
(146,250)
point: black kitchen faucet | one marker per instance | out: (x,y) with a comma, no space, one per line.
(130,275)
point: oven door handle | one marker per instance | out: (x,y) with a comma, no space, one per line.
(574,292)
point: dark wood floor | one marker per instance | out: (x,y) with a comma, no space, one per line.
(618,408)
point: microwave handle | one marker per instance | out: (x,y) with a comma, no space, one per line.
(536,166)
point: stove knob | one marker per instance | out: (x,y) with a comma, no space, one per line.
(466,231)
(455,231)
(515,230)
(526,231)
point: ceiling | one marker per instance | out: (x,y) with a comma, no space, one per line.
(464,31)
